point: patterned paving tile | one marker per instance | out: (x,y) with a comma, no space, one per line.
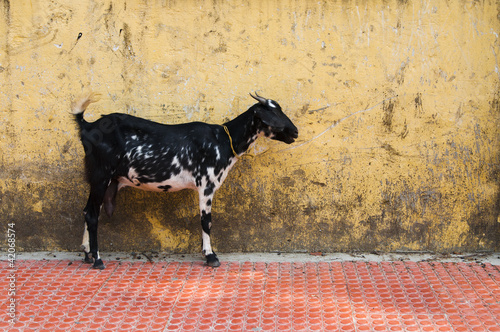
(242,296)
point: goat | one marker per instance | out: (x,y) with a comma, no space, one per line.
(123,150)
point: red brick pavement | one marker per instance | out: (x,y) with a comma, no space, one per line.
(241,296)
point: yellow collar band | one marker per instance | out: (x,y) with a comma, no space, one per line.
(230,140)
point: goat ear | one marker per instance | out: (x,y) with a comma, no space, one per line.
(268,118)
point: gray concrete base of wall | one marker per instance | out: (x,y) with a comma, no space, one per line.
(486,257)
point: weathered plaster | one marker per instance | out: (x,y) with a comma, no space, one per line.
(397,104)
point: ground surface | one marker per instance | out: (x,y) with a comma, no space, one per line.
(252,292)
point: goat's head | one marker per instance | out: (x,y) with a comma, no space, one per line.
(275,124)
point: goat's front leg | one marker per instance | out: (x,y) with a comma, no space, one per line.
(206,196)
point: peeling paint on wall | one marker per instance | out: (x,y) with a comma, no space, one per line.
(397,104)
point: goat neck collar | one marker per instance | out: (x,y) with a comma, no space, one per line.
(230,140)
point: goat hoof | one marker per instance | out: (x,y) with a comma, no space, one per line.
(88,258)
(98,264)
(212,260)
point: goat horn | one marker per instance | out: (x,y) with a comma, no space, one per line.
(260,99)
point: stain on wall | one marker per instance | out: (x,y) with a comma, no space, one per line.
(397,104)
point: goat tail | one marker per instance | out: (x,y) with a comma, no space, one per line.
(80,105)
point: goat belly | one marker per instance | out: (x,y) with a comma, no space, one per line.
(183,180)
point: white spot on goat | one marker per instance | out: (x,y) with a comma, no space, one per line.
(132,175)
(207,248)
(217,153)
(271,104)
(176,162)
(85,240)
(137,152)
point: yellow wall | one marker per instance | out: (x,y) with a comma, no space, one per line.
(397,104)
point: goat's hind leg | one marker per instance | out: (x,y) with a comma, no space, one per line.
(109,203)
(91,221)
(97,190)
(86,247)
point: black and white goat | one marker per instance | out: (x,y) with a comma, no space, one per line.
(123,150)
